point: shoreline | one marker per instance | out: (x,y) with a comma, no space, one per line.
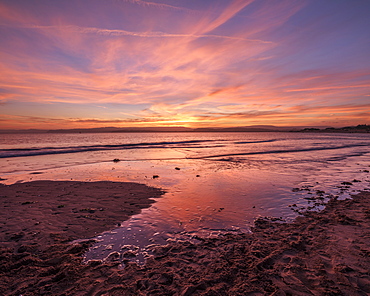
(62,211)
(325,253)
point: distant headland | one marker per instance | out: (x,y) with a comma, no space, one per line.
(361,128)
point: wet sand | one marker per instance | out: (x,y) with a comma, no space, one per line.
(326,253)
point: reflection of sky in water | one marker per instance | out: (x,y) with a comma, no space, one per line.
(209,195)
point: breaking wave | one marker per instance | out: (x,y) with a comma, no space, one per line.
(19,152)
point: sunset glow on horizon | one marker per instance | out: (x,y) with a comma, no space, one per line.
(192,63)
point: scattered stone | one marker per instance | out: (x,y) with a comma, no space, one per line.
(116,160)
(94,263)
(176,168)
(88,210)
(155,176)
(27,203)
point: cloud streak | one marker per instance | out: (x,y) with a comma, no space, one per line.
(157,5)
(110,32)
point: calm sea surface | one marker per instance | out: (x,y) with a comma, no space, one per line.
(215,182)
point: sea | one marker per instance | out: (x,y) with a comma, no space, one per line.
(215,183)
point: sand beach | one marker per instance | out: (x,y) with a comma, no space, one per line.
(325,253)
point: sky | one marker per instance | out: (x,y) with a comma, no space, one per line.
(192,63)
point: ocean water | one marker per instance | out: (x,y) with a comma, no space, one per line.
(215,182)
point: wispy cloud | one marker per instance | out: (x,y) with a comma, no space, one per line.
(209,22)
(157,5)
(110,32)
(366,86)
